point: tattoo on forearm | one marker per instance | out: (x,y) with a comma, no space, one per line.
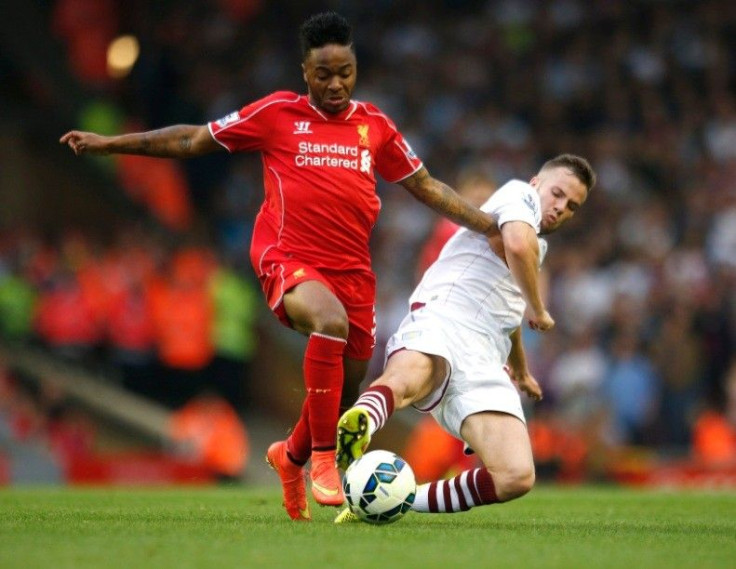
(444,200)
(448,199)
(457,209)
(185,143)
(169,142)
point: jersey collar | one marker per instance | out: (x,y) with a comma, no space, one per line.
(341,116)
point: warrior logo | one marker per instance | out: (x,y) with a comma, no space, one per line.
(302,127)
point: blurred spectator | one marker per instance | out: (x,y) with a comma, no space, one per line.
(182,312)
(17,305)
(433,454)
(236,303)
(66,320)
(561,453)
(132,338)
(87,27)
(677,355)
(722,237)
(211,432)
(631,388)
(576,378)
(714,433)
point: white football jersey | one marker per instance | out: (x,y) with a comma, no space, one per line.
(469,283)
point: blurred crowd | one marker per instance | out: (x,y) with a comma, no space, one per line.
(642,281)
(169,321)
(174,323)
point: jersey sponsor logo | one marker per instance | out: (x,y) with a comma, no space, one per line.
(333,155)
(302,127)
(365,161)
(363,133)
(334,149)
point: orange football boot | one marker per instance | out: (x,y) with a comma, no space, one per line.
(293,486)
(326,481)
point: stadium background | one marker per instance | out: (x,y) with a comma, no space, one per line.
(105,262)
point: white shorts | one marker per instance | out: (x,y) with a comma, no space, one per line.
(477,380)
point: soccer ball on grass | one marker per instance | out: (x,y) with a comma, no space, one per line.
(379,487)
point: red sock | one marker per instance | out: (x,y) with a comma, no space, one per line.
(323,376)
(299,443)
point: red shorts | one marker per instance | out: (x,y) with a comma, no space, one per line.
(356,290)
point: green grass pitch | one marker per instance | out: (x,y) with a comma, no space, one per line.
(233,527)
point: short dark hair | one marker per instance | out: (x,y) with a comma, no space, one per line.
(322,29)
(578,165)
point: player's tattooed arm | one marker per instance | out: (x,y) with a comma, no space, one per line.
(445,201)
(180,141)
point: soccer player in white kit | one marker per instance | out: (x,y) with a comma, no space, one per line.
(458,352)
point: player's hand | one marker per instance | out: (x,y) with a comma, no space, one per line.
(541,322)
(526,383)
(84,142)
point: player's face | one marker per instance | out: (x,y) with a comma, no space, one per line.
(561,193)
(330,73)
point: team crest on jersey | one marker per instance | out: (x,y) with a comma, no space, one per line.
(231,118)
(302,127)
(299,273)
(363,133)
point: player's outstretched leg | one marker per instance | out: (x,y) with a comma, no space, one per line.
(353,436)
(502,443)
(293,487)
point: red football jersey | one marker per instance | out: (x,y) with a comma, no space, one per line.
(319,175)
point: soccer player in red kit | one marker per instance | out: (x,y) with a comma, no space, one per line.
(320,154)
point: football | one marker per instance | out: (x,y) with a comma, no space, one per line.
(379,487)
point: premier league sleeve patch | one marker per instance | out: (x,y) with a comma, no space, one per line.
(229,119)
(409,151)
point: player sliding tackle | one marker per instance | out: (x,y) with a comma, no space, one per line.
(458,350)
